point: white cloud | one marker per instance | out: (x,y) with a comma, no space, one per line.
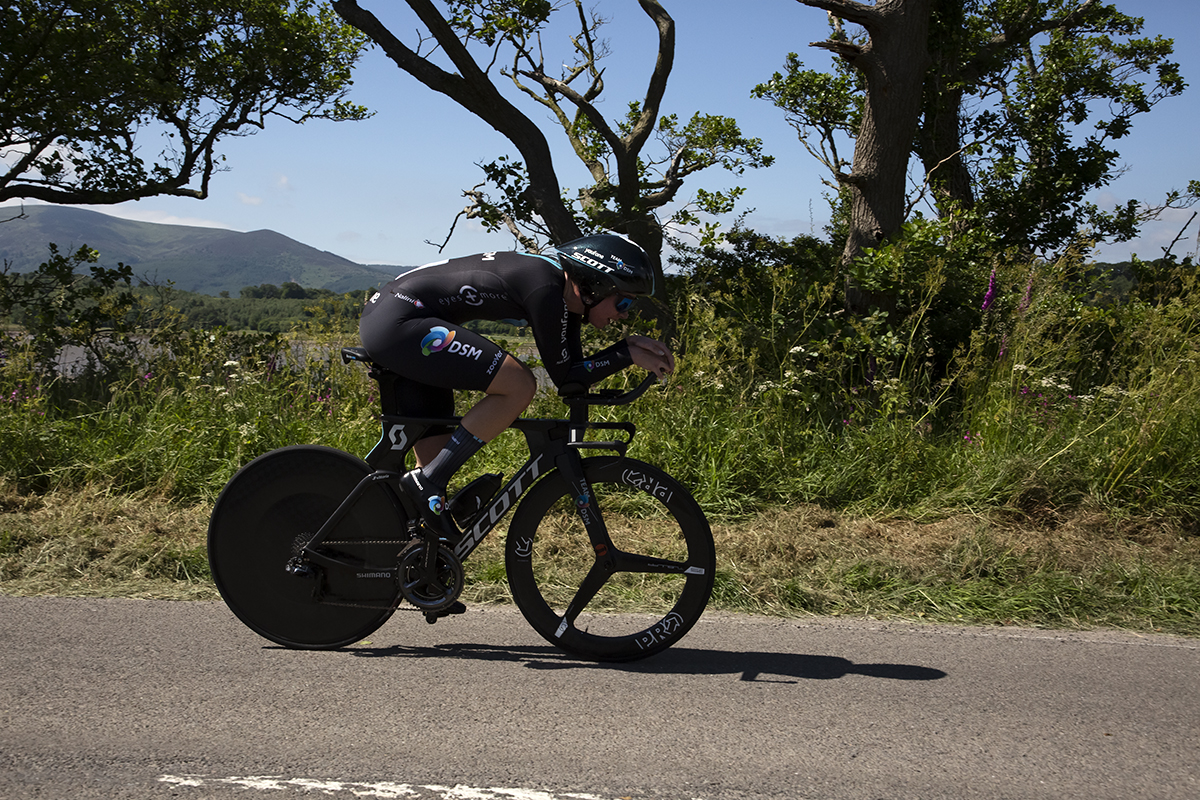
(247,200)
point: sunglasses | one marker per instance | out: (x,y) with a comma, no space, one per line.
(624,303)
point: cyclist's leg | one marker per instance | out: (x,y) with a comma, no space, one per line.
(507,397)
(437,353)
(509,393)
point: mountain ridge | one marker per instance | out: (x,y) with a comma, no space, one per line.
(195,259)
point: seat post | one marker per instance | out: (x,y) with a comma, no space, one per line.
(387,388)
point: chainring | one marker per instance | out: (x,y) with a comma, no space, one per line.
(429,588)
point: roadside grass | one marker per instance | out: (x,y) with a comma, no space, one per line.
(1081,569)
(1042,471)
(94,542)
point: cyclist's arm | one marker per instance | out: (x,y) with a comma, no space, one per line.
(556,332)
(608,361)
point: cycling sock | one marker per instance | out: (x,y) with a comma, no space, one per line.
(462,445)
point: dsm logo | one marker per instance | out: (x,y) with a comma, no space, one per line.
(439,339)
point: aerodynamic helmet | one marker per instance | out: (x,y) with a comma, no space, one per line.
(605,264)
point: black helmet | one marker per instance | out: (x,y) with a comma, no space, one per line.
(605,264)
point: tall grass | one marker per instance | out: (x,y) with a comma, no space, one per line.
(182,423)
(1054,402)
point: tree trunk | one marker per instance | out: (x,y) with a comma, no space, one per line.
(940,140)
(941,146)
(893,62)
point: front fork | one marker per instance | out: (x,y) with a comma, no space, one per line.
(570,465)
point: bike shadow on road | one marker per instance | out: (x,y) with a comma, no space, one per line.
(756,667)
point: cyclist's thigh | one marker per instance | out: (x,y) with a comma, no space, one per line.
(432,351)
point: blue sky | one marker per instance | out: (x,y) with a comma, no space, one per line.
(375,191)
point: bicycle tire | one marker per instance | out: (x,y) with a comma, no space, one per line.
(548,554)
(261,520)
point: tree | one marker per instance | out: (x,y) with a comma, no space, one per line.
(58,306)
(1008,106)
(87,87)
(891,64)
(999,127)
(629,187)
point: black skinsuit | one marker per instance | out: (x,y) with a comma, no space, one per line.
(412,327)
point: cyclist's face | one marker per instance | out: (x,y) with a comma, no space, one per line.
(615,306)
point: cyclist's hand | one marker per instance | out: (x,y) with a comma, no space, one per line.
(652,355)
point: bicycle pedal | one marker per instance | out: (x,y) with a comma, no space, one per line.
(472,498)
(455,608)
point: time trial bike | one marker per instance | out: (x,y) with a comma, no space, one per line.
(314,548)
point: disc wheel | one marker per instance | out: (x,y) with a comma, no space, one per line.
(262,520)
(611,602)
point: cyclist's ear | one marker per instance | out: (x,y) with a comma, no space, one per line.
(575,296)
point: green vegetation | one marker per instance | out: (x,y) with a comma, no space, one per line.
(1012,442)
(155,87)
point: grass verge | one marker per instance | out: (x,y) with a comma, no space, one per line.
(1080,570)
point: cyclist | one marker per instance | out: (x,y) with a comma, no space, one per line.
(412,327)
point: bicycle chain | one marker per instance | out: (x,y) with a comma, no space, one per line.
(400,605)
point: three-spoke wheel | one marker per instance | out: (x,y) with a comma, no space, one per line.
(659,560)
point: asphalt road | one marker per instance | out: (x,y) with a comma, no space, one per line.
(137,699)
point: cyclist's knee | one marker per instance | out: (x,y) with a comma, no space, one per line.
(514,380)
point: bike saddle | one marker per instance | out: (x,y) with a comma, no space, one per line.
(356,354)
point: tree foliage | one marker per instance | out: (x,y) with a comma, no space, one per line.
(1022,105)
(89,87)
(58,305)
(630,185)
(1057,85)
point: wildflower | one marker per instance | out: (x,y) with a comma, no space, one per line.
(231,363)
(990,295)
(1025,299)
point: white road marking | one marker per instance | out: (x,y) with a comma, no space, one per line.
(380,789)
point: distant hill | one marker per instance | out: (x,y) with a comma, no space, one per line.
(203,260)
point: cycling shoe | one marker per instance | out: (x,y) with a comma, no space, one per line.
(431,503)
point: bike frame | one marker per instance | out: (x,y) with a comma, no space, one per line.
(552,443)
